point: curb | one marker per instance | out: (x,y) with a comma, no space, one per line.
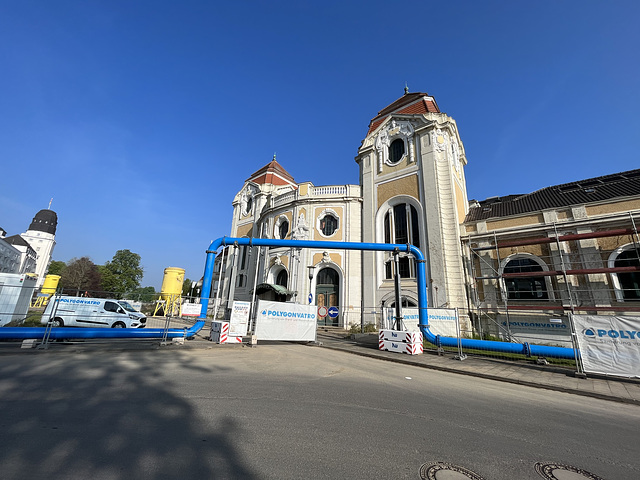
(555,388)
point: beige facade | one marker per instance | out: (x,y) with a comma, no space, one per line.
(517,260)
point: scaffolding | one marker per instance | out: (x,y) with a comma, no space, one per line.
(560,273)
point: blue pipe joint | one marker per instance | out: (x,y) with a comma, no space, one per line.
(438,341)
(526,349)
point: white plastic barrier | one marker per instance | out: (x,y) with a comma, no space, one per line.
(400,341)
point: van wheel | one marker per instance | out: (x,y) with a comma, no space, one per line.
(118,325)
(57,322)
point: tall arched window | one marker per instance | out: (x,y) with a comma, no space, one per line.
(627,283)
(523,287)
(282,278)
(401,226)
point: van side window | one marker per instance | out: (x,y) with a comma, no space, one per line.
(111,307)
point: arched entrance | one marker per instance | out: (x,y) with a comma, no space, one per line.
(328,294)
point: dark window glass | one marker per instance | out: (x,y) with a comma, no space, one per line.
(629,281)
(525,288)
(111,307)
(400,220)
(327,276)
(387,228)
(284,229)
(396,150)
(328,225)
(243,258)
(282,278)
(404,268)
(415,238)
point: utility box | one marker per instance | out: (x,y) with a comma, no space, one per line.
(16,290)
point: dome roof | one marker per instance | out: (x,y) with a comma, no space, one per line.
(45,221)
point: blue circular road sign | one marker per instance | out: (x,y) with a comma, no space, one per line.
(333,312)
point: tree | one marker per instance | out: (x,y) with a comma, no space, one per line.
(56,267)
(186,287)
(80,274)
(144,294)
(123,273)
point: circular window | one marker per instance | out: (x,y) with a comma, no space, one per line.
(328,225)
(396,150)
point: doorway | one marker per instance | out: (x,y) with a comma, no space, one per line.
(328,294)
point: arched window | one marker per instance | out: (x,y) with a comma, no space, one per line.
(401,226)
(281,227)
(396,150)
(627,284)
(282,278)
(523,287)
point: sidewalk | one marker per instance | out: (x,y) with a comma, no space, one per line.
(538,376)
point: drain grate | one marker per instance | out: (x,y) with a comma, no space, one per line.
(446,471)
(557,471)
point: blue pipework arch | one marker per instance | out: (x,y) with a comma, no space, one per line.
(517,348)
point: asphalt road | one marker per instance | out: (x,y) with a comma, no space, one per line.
(284,411)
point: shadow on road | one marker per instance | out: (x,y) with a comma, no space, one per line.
(112,416)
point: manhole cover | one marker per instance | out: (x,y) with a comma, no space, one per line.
(556,471)
(446,471)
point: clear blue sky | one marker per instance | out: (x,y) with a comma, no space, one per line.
(142,119)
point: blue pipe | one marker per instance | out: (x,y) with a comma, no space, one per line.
(506,347)
(22,333)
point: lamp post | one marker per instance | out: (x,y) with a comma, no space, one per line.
(311,270)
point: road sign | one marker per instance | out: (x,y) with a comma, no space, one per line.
(333,312)
(310,298)
(322,312)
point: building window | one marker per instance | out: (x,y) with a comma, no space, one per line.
(401,226)
(627,284)
(282,228)
(396,150)
(241,281)
(328,225)
(525,288)
(282,278)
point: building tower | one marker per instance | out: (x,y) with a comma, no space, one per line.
(41,235)
(414,191)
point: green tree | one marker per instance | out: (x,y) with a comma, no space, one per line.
(56,267)
(186,287)
(144,294)
(82,275)
(123,273)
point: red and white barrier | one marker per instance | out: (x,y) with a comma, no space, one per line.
(401,336)
(400,341)
(220,333)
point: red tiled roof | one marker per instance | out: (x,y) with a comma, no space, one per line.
(409,104)
(272,173)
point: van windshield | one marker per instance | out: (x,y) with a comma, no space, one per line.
(126,306)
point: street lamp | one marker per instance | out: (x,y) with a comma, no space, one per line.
(311,269)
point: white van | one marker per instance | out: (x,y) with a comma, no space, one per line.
(92,312)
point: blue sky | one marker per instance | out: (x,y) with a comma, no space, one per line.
(143,119)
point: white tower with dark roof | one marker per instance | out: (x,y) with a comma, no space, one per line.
(41,235)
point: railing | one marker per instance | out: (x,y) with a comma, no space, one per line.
(329,190)
(324,191)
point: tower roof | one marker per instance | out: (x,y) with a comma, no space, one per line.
(45,221)
(272,173)
(408,104)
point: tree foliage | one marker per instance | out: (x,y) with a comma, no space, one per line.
(123,273)
(80,274)
(144,294)
(56,267)
(186,287)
